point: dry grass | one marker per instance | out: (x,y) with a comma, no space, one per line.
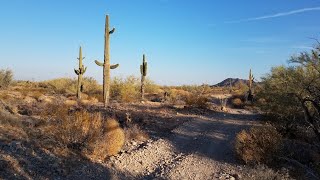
(69,85)
(88,133)
(11,128)
(195,100)
(258,145)
(262,172)
(237,103)
(75,130)
(134,132)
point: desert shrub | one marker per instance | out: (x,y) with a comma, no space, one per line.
(175,95)
(125,90)
(133,131)
(91,86)
(6,78)
(262,172)
(241,88)
(69,85)
(257,145)
(63,85)
(203,89)
(75,130)
(292,94)
(198,96)
(110,143)
(197,100)
(82,131)
(151,87)
(237,103)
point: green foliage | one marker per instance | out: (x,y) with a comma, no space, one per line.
(293,93)
(125,90)
(6,78)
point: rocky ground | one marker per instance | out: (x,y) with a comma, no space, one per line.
(200,148)
(184,143)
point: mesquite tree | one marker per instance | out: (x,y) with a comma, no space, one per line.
(292,93)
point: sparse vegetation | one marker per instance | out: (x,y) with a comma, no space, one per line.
(6,78)
(258,145)
(237,103)
(125,90)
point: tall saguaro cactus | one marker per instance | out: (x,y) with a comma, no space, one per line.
(250,92)
(80,73)
(143,71)
(106,64)
(251,78)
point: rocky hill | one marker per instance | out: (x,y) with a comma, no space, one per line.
(233,81)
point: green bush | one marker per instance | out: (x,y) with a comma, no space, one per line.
(125,90)
(292,94)
(6,78)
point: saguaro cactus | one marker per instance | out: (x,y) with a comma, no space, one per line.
(251,78)
(106,64)
(143,71)
(80,72)
(250,93)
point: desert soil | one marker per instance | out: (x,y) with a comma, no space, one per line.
(184,143)
(200,148)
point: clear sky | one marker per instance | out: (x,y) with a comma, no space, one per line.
(185,41)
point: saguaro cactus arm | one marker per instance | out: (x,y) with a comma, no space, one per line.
(112,31)
(77,71)
(83,70)
(98,63)
(114,66)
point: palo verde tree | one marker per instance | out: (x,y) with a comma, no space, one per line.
(293,93)
(106,64)
(80,73)
(143,71)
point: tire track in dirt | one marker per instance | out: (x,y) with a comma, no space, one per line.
(198,149)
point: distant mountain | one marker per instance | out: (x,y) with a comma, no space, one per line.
(233,81)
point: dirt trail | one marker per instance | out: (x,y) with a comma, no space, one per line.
(198,149)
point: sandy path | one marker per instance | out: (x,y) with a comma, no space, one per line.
(198,149)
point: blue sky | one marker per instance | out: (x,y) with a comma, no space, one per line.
(185,41)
